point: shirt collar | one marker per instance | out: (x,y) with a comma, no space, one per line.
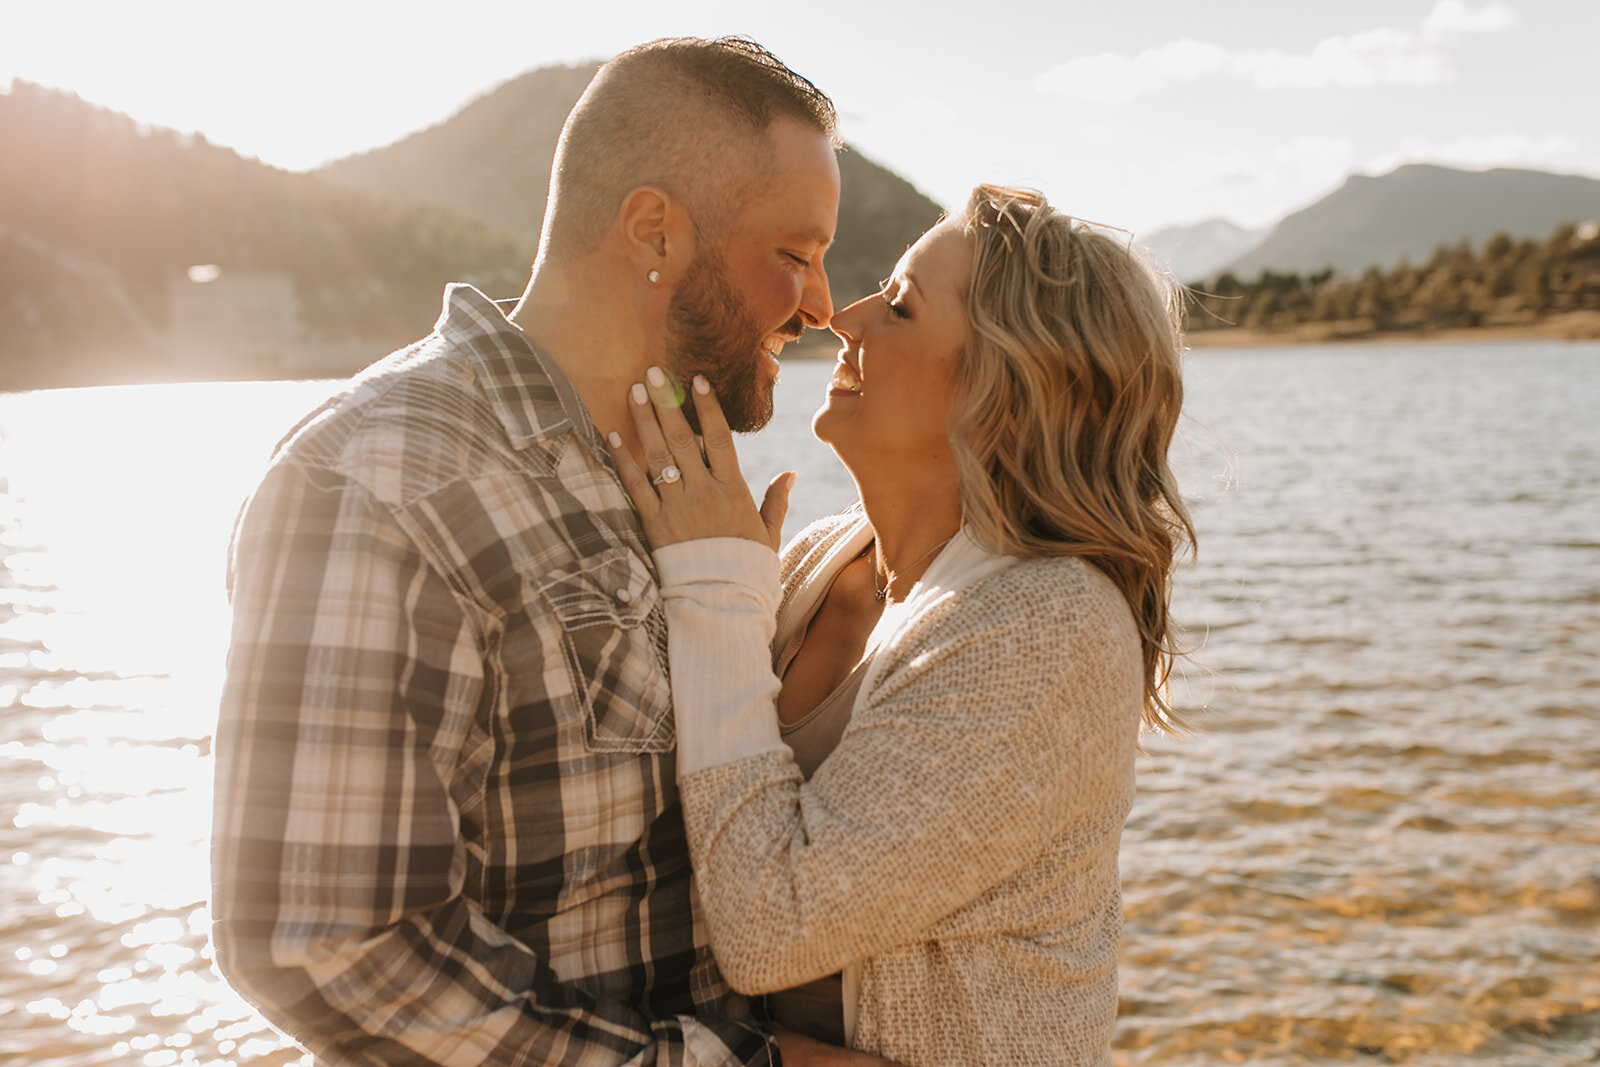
(526,388)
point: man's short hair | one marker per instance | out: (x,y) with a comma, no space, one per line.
(681,113)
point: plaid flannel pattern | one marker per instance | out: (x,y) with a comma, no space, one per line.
(447,829)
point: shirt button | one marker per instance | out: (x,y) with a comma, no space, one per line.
(624,596)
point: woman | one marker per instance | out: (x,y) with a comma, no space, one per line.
(914,835)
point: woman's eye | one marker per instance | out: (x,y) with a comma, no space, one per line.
(800,261)
(897,310)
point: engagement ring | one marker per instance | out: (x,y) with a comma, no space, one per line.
(669,474)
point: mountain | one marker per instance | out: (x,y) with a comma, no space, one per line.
(1411,211)
(491,161)
(61,316)
(102,219)
(1199,251)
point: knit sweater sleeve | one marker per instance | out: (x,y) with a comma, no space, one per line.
(1003,719)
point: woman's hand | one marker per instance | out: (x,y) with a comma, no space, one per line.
(708,497)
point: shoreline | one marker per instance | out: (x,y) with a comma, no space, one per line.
(335,360)
(1566,326)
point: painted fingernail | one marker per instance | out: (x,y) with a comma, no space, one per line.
(638,394)
(701,386)
(655,377)
(615,438)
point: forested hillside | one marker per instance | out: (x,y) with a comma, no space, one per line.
(1505,283)
(101,216)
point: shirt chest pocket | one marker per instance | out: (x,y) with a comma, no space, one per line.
(614,641)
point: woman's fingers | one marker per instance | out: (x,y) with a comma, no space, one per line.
(721,456)
(634,480)
(775,505)
(667,402)
(687,501)
(664,468)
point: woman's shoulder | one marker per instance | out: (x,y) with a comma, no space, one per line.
(1060,580)
(1036,640)
(1045,600)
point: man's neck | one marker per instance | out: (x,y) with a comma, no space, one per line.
(586,321)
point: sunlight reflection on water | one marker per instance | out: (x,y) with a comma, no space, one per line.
(115,512)
(113,627)
(1383,844)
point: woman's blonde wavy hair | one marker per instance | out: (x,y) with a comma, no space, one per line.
(1067,399)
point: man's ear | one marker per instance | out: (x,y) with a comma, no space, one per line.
(657,235)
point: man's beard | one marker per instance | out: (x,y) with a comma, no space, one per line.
(709,332)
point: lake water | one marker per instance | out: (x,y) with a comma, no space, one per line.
(1383,846)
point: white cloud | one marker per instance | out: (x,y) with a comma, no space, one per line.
(1453,16)
(1184,60)
(1372,57)
(1114,79)
(1101,79)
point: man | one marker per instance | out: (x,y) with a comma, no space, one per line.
(446,825)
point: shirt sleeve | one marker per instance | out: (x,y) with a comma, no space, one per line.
(337,855)
(1007,720)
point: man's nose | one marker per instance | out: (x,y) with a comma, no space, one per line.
(816,302)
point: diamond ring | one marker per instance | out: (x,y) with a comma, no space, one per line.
(669,474)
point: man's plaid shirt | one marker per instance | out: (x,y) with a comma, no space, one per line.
(447,828)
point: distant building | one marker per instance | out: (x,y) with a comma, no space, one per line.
(234,324)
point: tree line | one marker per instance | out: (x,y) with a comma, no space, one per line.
(1506,282)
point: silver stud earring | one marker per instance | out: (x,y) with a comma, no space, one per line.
(654,276)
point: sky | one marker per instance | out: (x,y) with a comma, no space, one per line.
(1137,114)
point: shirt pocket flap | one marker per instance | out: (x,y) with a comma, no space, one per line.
(610,590)
(614,640)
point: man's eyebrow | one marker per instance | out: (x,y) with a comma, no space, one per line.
(822,237)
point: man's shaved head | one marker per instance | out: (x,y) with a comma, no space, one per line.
(683,114)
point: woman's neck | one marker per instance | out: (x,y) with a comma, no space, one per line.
(911,518)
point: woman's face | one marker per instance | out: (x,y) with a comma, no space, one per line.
(889,401)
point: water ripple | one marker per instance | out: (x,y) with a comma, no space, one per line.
(1382,846)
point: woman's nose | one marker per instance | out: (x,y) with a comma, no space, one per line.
(847,321)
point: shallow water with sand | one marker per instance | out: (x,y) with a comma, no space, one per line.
(1382,844)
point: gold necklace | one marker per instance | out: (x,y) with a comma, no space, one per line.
(879,564)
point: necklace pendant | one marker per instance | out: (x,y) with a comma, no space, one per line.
(880,595)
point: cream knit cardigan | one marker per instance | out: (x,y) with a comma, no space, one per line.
(956,855)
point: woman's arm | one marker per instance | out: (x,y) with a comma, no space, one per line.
(721,600)
(1004,719)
